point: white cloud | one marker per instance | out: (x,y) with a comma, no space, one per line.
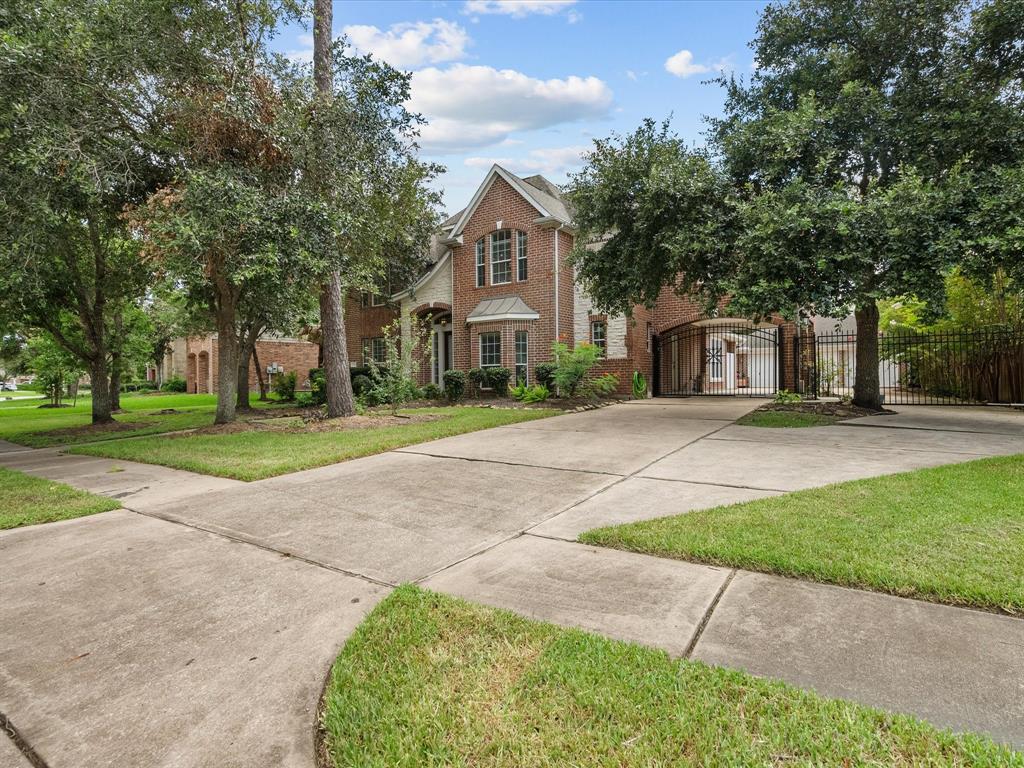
(303,55)
(681,65)
(521,8)
(478,106)
(411,44)
(552,161)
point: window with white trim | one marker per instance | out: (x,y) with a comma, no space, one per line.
(599,334)
(480,267)
(522,357)
(490,349)
(374,349)
(521,265)
(501,257)
(377,300)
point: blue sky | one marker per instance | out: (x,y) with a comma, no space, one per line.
(530,83)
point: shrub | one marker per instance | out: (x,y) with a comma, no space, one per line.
(573,365)
(785,396)
(454,385)
(639,386)
(432,392)
(497,379)
(601,385)
(304,399)
(545,374)
(477,380)
(284,386)
(175,384)
(538,393)
(317,387)
(518,392)
(392,383)
(361,384)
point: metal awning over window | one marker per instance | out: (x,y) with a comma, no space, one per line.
(503,308)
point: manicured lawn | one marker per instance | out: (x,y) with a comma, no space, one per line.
(952,534)
(429,680)
(26,500)
(255,455)
(785,419)
(26,423)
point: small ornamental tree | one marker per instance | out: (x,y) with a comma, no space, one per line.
(393,381)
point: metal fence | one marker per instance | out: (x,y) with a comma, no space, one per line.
(936,368)
(740,360)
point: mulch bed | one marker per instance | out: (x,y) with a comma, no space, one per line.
(837,410)
(94,429)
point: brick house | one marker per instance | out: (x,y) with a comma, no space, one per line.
(499,290)
(194,358)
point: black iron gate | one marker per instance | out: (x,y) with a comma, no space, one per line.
(934,368)
(733,359)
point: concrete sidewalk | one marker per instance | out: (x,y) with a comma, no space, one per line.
(235,573)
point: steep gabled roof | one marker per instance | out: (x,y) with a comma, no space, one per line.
(546,204)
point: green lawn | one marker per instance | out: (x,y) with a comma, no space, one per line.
(26,500)
(430,680)
(952,534)
(26,423)
(785,419)
(258,454)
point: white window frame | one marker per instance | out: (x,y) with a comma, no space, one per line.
(603,346)
(377,300)
(481,264)
(526,356)
(368,351)
(716,343)
(508,260)
(522,265)
(480,349)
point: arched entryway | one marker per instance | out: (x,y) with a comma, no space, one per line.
(720,356)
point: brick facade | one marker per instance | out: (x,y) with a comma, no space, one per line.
(195,359)
(501,206)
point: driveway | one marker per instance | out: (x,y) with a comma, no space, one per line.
(197,628)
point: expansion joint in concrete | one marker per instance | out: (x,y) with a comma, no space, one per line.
(19,741)
(707,615)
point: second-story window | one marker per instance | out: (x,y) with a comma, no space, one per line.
(501,257)
(521,271)
(480,267)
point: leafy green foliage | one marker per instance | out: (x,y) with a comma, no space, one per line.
(785,396)
(600,386)
(497,379)
(361,384)
(392,381)
(477,378)
(54,367)
(537,393)
(545,374)
(431,392)
(573,365)
(454,385)
(284,385)
(175,384)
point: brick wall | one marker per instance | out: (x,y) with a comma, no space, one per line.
(502,203)
(363,323)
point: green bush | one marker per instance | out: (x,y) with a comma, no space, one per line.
(639,386)
(785,396)
(477,380)
(284,386)
(454,385)
(538,393)
(518,392)
(361,384)
(175,384)
(432,392)
(545,374)
(497,379)
(600,385)
(573,365)
(304,399)
(317,387)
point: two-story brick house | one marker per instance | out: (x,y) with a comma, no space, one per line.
(500,289)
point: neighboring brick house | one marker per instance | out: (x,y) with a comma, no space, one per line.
(194,358)
(500,289)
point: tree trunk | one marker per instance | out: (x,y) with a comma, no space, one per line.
(100,380)
(115,384)
(340,401)
(259,374)
(332,323)
(227,366)
(244,355)
(866,391)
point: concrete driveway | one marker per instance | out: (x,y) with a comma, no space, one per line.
(197,628)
